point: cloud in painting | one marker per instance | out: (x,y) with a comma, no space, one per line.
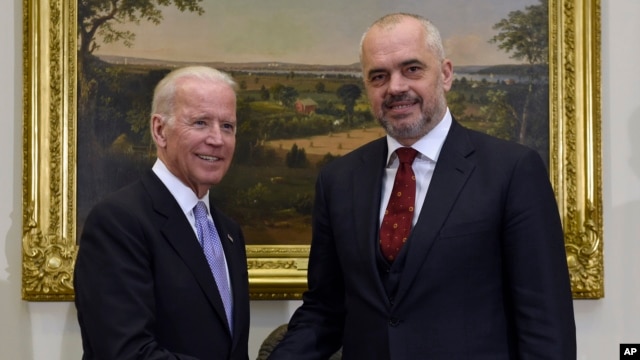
(308,31)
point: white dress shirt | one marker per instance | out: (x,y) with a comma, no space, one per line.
(186,198)
(428,147)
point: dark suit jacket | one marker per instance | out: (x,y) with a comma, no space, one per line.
(482,276)
(143,287)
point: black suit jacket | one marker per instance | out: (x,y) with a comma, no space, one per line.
(483,274)
(143,287)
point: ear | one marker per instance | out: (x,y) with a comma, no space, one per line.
(447,74)
(158,130)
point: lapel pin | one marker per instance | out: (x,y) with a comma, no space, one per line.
(229,237)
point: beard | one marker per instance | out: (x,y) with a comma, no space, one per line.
(425,122)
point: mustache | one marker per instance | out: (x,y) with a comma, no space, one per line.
(397,98)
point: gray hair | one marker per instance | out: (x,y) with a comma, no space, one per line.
(164,93)
(432,35)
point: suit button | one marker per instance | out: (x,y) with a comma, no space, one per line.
(394,322)
(392,301)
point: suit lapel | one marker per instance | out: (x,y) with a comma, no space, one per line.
(179,234)
(235,261)
(452,171)
(367,182)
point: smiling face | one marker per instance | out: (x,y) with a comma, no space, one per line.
(405,79)
(197,142)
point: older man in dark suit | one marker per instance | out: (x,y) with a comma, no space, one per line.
(435,242)
(161,273)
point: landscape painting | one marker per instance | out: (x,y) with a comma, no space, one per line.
(301,101)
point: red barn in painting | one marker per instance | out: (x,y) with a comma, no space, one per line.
(306,106)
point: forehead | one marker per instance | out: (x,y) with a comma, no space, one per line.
(193,86)
(405,39)
(204,94)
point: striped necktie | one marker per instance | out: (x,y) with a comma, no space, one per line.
(212,247)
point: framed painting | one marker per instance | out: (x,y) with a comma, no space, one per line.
(303,83)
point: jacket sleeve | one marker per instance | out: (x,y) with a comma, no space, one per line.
(535,265)
(315,329)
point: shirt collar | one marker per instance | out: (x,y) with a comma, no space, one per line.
(183,194)
(429,145)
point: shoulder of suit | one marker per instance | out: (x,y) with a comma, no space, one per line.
(373,150)
(480,139)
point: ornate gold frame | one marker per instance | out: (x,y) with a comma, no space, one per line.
(279,272)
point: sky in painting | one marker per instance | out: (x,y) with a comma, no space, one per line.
(323,32)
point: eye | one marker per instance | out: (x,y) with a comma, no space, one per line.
(413,70)
(377,79)
(199,123)
(229,127)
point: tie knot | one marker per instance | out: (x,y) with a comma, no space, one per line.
(406,154)
(200,210)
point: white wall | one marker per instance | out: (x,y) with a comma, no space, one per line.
(49,330)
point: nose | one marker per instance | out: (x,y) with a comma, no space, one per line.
(398,84)
(214,135)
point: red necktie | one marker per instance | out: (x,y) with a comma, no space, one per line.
(396,223)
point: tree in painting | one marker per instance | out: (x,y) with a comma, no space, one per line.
(523,34)
(349,94)
(98,21)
